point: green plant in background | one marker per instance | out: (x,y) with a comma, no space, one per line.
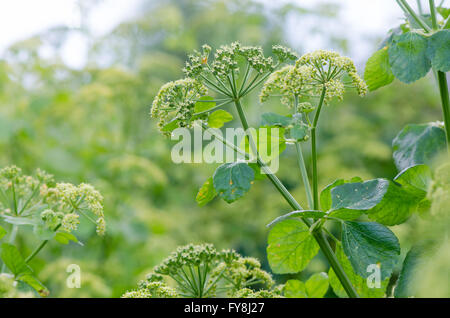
(235,71)
(414,48)
(201,271)
(50,209)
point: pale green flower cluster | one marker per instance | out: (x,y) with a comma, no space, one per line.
(152,290)
(202,268)
(283,53)
(176,100)
(311,73)
(56,204)
(249,293)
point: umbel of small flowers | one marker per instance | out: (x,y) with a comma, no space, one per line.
(56,205)
(313,73)
(201,271)
(234,71)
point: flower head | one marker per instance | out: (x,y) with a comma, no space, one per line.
(175,102)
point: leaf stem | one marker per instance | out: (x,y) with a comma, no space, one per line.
(314,148)
(39,248)
(434,23)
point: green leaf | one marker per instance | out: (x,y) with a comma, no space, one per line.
(206,192)
(270,142)
(205,103)
(317,285)
(405,283)
(325,195)
(357,281)
(378,71)
(418,144)
(233,180)
(299,130)
(2,232)
(273,119)
(218,118)
(415,179)
(369,243)
(35,284)
(408,57)
(439,50)
(295,289)
(170,126)
(12,258)
(65,238)
(290,247)
(302,213)
(444,12)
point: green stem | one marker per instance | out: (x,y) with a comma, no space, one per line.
(302,166)
(433,14)
(318,235)
(443,90)
(407,8)
(39,248)
(313,150)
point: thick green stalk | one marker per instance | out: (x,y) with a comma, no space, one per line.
(443,90)
(433,14)
(318,235)
(314,150)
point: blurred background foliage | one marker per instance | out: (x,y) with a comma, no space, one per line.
(92,125)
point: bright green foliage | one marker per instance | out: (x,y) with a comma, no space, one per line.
(290,247)
(325,195)
(294,126)
(204,103)
(233,180)
(418,144)
(370,243)
(22,272)
(439,50)
(315,287)
(218,118)
(378,72)
(274,119)
(408,57)
(358,282)
(206,192)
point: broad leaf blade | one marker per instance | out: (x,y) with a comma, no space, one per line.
(317,285)
(418,144)
(295,288)
(439,50)
(233,180)
(206,192)
(218,118)
(290,247)
(408,57)
(370,243)
(378,72)
(2,232)
(357,281)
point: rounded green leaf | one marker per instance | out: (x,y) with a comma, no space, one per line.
(408,57)
(290,247)
(370,243)
(206,192)
(439,50)
(205,103)
(233,180)
(360,283)
(317,285)
(295,289)
(418,144)
(378,71)
(218,118)
(273,119)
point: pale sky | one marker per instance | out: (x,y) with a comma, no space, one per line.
(360,21)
